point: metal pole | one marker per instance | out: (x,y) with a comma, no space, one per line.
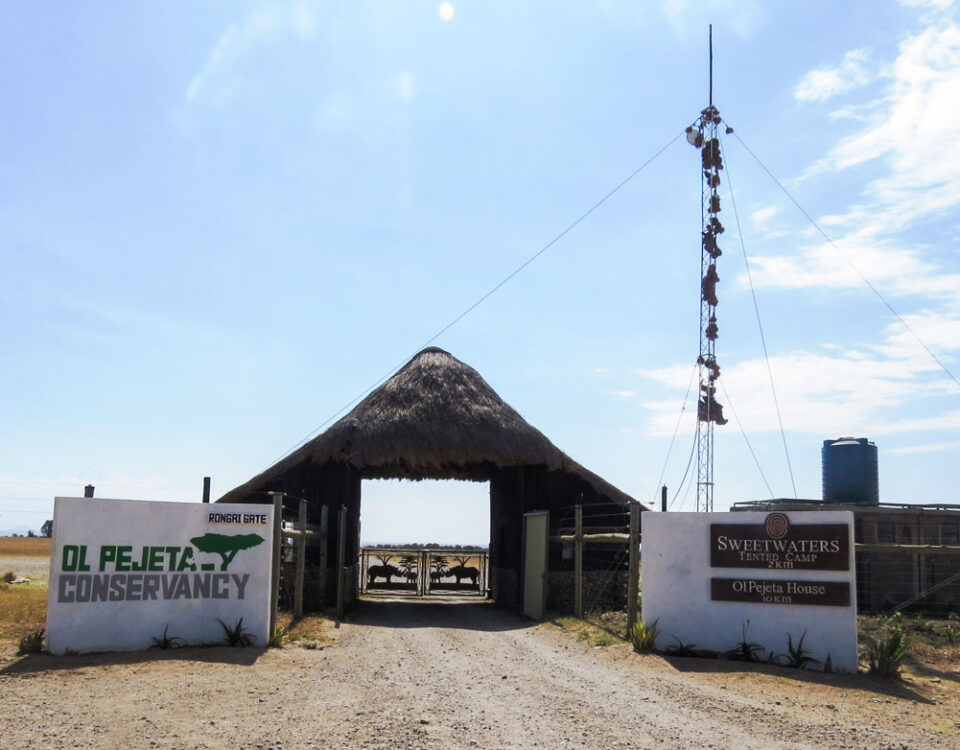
(663,499)
(277,525)
(711,65)
(633,581)
(206,489)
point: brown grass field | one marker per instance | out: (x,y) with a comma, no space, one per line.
(23,610)
(22,546)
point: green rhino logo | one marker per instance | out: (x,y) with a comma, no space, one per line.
(226,546)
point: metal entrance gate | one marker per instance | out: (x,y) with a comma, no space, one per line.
(424,571)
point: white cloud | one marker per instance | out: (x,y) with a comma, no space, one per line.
(821,265)
(940,331)
(845,392)
(761,216)
(928,448)
(240,39)
(823,83)
(621,394)
(936,5)
(909,135)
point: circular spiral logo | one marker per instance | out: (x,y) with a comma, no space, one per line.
(777,525)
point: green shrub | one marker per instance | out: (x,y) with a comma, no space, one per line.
(745,650)
(166,642)
(797,655)
(32,644)
(644,637)
(236,636)
(885,653)
(278,637)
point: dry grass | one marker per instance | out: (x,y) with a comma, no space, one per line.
(587,630)
(24,546)
(312,631)
(23,610)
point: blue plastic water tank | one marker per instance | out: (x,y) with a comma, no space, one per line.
(850,473)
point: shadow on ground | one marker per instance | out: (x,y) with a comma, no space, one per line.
(34,663)
(864,682)
(385,610)
(925,670)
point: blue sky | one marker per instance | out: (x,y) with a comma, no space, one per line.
(222,221)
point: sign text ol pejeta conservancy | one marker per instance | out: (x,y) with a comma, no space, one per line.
(124,572)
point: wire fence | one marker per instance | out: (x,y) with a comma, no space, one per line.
(590,570)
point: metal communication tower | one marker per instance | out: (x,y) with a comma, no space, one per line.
(703,135)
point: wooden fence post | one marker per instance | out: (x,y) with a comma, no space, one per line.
(301,560)
(324,513)
(633,581)
(341,559)
(578,562)
(277,525)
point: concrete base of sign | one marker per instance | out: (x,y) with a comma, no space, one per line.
(677,575)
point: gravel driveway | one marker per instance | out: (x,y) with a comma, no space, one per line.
(451,674)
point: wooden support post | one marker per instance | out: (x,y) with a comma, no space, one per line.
(277,525)
(206,490)
(663,499)
(301,560)
(364,564)
(341,559)
(324,513)
(578,562)
(88,490)
(633,580)
(424,572)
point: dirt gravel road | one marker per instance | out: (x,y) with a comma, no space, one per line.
(425,674)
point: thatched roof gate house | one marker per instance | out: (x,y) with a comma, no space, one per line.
(436,418)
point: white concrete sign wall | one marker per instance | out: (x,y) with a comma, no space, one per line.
(705,574)
(121,571)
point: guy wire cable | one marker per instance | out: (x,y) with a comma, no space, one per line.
(676,427)
(850,263)
(763,338)
(686,471)
(746,439)
(484,297)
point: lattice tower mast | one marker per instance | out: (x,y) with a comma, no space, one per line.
(703,135)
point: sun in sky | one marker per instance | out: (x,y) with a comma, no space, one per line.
(446,11)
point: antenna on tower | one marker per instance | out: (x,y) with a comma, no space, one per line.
(703,136)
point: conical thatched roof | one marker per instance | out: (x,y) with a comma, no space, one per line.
(436,418)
